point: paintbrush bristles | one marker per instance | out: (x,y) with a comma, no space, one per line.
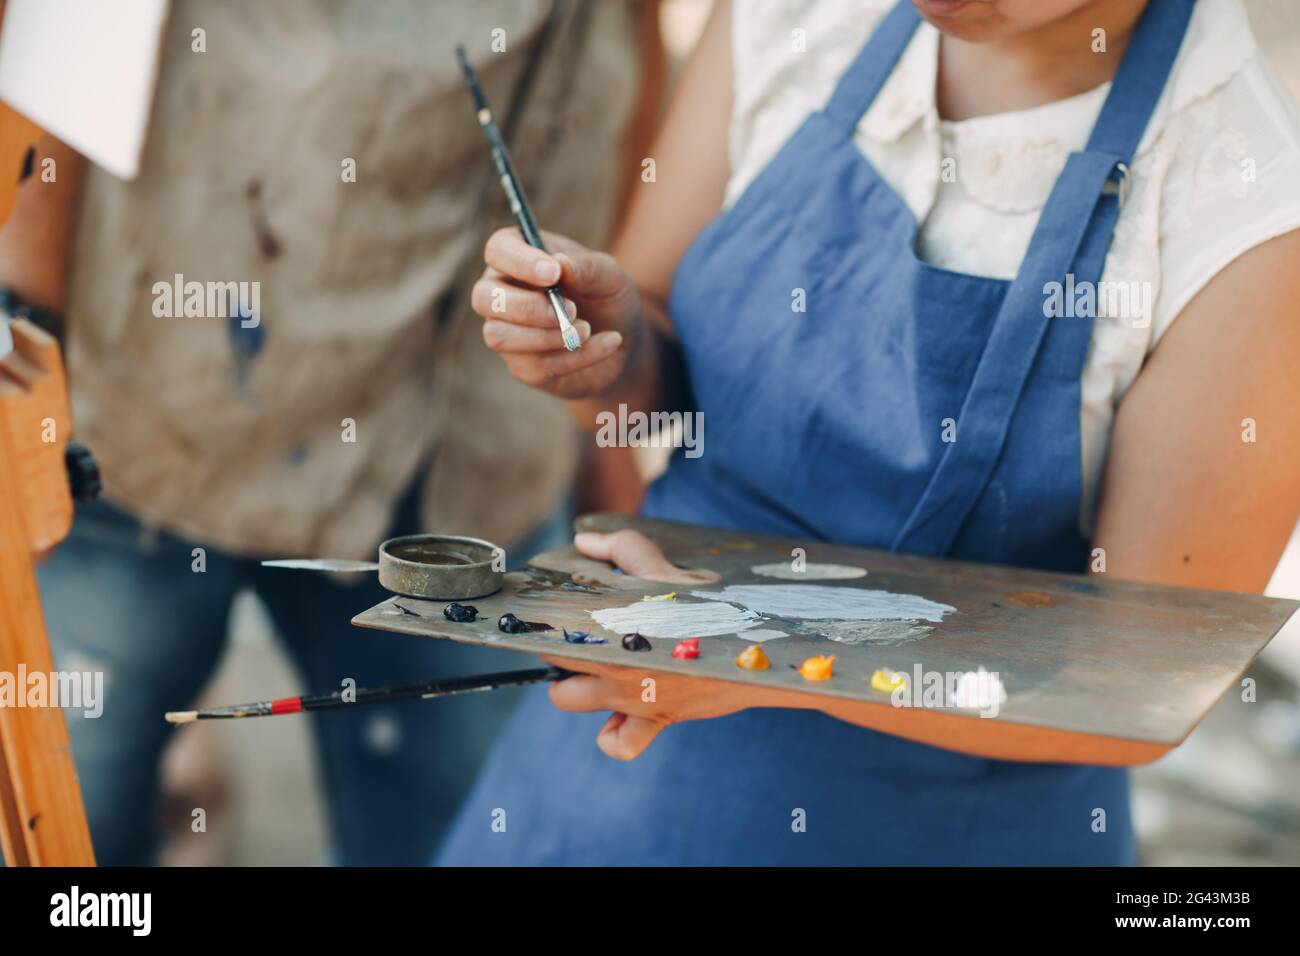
(181,716)
(572,340)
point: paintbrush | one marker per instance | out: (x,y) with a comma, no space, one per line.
(378,695)
(515,193)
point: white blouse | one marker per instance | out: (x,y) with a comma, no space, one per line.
(1217,172)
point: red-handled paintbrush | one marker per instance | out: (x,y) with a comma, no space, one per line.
(377,695)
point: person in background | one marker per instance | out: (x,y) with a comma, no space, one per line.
(329,154)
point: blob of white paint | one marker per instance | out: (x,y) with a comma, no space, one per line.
(760,634)
(676,619)
(810,572)
(978,690)
(827,602)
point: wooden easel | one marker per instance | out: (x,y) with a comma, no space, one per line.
(42,819)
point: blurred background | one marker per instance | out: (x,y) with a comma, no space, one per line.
(1230,795)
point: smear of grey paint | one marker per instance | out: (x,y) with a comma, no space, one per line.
(867,632)
(827,602)
(810,572)
(760,634)
(676,619)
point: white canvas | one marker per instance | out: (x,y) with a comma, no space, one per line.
(85,70)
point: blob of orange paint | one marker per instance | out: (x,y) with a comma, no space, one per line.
(1030,599)
(753,659)
(818,668)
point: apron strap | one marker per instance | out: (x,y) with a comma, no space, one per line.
(1140,79)
(1009,355)
(859,84)
(1073,235)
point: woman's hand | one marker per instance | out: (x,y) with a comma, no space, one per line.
(520,326)
(636,555)
(643,703)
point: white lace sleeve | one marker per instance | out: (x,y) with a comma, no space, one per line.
(1233,184)
(786,56)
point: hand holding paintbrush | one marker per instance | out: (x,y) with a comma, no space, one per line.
(521,294)
(518,204)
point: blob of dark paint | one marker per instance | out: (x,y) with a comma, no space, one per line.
(635,642)
(512,625)
(268,244)
(581,637)
(460,613)
(541,580)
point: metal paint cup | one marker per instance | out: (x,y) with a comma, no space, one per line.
(442,567)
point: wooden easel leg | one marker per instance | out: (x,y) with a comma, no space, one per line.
(13,847)
(42,819)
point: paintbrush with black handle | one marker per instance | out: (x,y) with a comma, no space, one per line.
(515,193)
(376,695)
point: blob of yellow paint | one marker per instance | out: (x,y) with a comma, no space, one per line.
(887,681)
(670,596)
(818,668)
(753,659)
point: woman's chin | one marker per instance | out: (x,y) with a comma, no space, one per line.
(970,20)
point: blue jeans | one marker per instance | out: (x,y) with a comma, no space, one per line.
(125,602)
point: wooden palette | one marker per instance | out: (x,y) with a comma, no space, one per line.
(1089,655)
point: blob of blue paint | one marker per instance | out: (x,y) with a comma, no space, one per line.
(460,613)
(581,637)
(246,337)
(1082,587)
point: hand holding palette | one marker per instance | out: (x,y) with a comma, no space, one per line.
(1085,654)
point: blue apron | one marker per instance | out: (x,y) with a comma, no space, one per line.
(829,425)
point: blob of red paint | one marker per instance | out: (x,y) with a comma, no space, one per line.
(687,650)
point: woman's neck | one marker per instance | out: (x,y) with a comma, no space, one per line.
(1034,67)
